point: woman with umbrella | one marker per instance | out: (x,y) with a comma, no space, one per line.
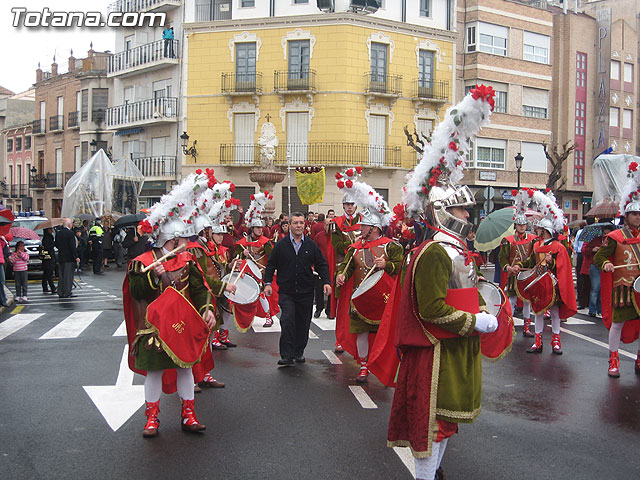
(592,238)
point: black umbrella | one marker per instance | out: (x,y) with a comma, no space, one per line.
(129,220)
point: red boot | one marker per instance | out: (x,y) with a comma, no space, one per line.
(189,420)
(537,346)
(638,365)
(338,348)
(216,343)
(555,344)
(364,371)
(269,321)
(526,329)
(224,339)
(614,364)
(151,427)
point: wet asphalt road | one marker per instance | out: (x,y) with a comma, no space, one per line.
(544,416)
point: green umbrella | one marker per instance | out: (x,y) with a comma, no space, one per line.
(494,228)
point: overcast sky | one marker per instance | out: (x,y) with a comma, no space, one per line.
(23,48)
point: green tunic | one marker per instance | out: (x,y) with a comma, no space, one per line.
(395,252)
(460,374)
(147,287)
(620,314)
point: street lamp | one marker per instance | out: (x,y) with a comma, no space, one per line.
(519,159)
(94,146)
(184,139)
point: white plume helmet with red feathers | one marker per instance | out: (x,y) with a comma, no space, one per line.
(374,209)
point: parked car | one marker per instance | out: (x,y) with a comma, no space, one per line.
(32,246)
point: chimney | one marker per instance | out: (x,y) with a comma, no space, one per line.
(72,62)
(38,73)
(54,69)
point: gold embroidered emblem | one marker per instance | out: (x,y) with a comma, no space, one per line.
(178,327)
(386,297)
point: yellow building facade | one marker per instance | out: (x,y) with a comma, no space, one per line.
(339,89)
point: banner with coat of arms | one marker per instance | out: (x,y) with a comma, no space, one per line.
(310,182)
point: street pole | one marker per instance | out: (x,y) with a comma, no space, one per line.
(289,178)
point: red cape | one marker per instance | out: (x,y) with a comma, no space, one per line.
(331,258)
(512,240)
(169,376)
(343,336)
(567,302)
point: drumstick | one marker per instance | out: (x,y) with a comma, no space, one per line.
(161,259)
(628,265)
(240,274)
(368,273)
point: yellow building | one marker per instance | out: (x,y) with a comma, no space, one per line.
(339,88)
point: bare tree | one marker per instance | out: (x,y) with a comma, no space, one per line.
(417,141)
(557,158)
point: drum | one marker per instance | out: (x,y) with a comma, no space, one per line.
(372,295)
(247,289)
(540,290)
(494,297)
(254,268)
(636,294)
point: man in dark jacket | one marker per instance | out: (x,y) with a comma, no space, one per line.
(134,243)
(67,258)
(293,257)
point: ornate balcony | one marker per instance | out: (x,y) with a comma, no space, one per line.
(54,180)
(382,85)
(39,127)
(431,91)
(163,166)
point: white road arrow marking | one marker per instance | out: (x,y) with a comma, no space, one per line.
(119,402)
(121,331)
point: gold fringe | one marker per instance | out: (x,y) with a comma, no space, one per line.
(459,415)
(238,327)
(506,350)
(553,301)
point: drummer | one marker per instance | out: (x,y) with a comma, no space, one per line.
(147,348)
(343,231)
(517,248)
(622,248)
(370,253)
(549,255)
(257,247)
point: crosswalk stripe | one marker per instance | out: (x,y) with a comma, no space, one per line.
(332,357)
(15,323)
(258,328)
(312,335)
(325,324)
(121,331)
(72,326)
(570,321)
(61,301)
(407,458)
(362,397)
(597,342)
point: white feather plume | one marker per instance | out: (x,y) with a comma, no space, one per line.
(546,205)
(631,191)
(364,195)
(460,125)
(258,202)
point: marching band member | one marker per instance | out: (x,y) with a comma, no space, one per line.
(440,375)
(370,253)
(343,231)
(516,248)
(257,247)
(552,276)
(620,262)
(168,310)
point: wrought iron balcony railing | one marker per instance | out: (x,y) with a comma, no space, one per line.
(56,122)
(54,180)
(142,5)
(39,127)
(37,182)
(291,80)
(431,89)
(145,111)
(72,120)
(316,153)
(383,83)
(242,82)
(213,10)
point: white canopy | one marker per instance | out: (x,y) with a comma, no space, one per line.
(610,176)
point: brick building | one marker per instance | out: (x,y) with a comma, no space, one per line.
(19,161)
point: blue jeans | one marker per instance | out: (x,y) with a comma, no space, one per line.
(594,295)
(3,297)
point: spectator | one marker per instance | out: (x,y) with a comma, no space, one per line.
(319,234)
(118,250)
(293,257)
(284,230)
(331,213)
(96,234)
(20,260)
(82,246)
(588,268)
(84,233)
(135,243)
(48,257)
(4,248)
(67,258)
(107,246)
(168,36)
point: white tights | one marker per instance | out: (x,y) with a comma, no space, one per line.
(526,307)
(614,337)
(555,320)
(153,385)
(362,341)
(426,467)
(264,303)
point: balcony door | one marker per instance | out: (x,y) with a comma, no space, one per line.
(58,161)
(246,67)
(377,139)
(298,137)
(379,67)
(244,138)
(299,58)
(425,73)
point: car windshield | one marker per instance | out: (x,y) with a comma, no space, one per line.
(30,224)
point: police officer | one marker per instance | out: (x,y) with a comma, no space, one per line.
(95,240)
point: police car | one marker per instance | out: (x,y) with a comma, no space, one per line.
(29,220)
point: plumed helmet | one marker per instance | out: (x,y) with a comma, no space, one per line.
(174,228)
(255,222)
(441,198)
(546,224)
(220,228)
(520,219)
(369,217)
(348,198)
(632,207)
(200,222)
